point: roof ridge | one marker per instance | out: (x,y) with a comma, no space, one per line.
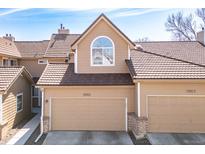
(48,45)
(30,41)
(11,66)
(59,63)
(64,34)
(165,41)
(171,58)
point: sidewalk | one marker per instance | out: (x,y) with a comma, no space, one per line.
(23,135)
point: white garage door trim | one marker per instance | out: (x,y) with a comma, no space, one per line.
(147,99)
(50,104)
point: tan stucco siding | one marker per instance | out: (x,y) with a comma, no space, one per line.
(33,67)
(168,88)
(92,91)
(83,51)
(22,85)
(71,60)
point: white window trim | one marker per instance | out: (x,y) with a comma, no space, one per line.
(38,97)
(19,94)
(45,61)
(76,60)
(91,53)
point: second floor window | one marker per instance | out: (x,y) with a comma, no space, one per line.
(102,52)
(9,62)
(43,61)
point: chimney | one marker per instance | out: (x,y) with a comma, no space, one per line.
(9,37)
(201,36)
(62,30)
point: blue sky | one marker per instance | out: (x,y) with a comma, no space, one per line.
(39,24)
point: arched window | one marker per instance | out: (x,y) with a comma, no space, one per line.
(102,52)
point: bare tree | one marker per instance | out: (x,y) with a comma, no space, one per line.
(201,14)
(184,27)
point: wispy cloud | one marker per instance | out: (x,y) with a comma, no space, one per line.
(137,12)
(88,10)
(12,11)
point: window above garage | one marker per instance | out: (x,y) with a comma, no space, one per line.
(102,52)
(43,61)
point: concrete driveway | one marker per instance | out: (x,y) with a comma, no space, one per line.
(176,138)
(87,138)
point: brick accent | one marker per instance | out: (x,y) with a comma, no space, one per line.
(138,125)
(135,124)
(3,130)
(45,124)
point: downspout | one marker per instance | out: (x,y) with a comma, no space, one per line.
(1,109)
(138,99)
(42,109)
(76,60)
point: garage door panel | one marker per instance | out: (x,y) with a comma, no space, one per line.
(176,114)
(88,114)
(183,128)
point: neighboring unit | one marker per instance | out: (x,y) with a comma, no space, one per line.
(15,97)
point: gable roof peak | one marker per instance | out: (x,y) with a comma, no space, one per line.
(103,16)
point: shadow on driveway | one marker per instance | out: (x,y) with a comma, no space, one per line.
(176,138)
(87,138)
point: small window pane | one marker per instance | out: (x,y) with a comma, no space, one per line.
(108,55)
(35,102)
(34,91)
(102,42)
(13,62)
(19,102)
(97,56)
(5,62)
(19,107)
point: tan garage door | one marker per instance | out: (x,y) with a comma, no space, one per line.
(176,114)
(88,114)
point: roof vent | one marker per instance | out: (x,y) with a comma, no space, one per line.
(201,36)
(138,47)
(62,30)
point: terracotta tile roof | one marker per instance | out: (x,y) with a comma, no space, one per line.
(32,49)
(145,65)
(8,47)
(63,75)
(191,51)
(60,44)
(9,74)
